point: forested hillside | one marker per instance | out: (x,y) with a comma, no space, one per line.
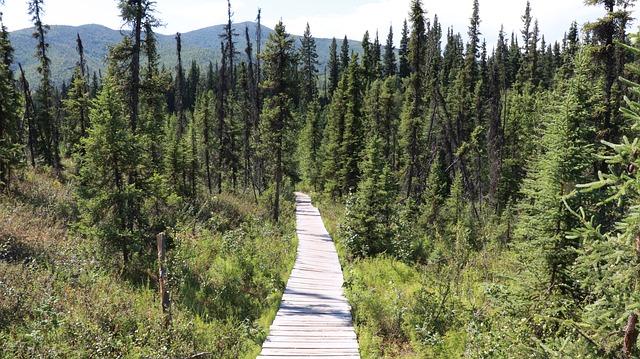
(484,197)
(199,46)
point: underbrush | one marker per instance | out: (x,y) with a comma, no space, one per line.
(66,296)
(441,306)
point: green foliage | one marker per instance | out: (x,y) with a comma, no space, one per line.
(607,260)
(310,143)
(111,205)
(62,295)
(309,70)
(10,147)
(76,108)
(277,119)
(370,218)
(343,137)
(382,292)
(459,237)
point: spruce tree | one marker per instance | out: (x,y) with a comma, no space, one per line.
(390,65)
(76,108)
(332,141)
(344,55)
(192,86)
(9,145)
(353,138)
(564,160)
(382,104)
(111,151)
(76,105)
(204,117)
(309,70)
(412,122)
(376,58)
(47,129)
(133,13)
(367,56)
(370,223)
(277,118)
(153,107)
(607,265)
(221,113)
(180,88)
(403,52)
(310,145)
(605,32)
(334,67)
(473,45)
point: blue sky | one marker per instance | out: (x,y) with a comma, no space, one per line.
(327,18)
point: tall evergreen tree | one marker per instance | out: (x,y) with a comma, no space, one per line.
(353,139)
(192,86)
(376,58)
(204,115)
(310,145)
(221,113)
(367,56)
(309,71)
(180,90)
(605,31)
(607,265)
(228,38)
(76,105)
(412,121)
(344,137)
(45,121)
(9,146)
(277,117)
(370,220)
(344,55)
(473,45)
(334,67)
(111,151)
(133,13)
(382,104)
(390,65)
(403,52)
(153,106)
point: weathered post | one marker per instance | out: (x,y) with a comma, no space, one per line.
(630,336)
(162,286)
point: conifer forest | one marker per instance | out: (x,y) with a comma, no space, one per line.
(484,197)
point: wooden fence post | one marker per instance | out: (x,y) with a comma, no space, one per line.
(162,286)
(630,336)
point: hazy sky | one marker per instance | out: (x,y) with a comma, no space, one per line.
(327,18)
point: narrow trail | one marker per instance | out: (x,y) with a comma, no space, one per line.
(314,318)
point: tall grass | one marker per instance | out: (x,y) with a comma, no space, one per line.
(65,296)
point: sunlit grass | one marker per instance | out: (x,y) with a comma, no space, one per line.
(62,295)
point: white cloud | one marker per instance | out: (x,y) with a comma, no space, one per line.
(179,16)
(370,17)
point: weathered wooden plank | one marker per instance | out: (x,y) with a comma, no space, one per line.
(322,342)
(279,334)
(327,356)
(306,331)
(314,318)
(308,351)
(348,345)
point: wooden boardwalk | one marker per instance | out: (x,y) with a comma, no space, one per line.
(314,319)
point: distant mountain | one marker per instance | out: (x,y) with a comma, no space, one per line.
(201,45)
